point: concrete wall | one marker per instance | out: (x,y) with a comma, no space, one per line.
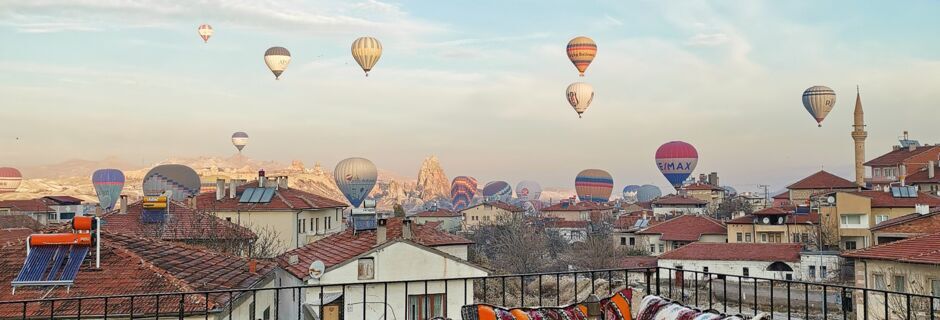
(832,262)
(482,214)
(286,224)
(918,279)
(755,268)
(675,209)
(449,224)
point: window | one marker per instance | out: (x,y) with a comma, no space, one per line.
(229,219)
(876,172)
(623,241)
(850,245)
(747,237)
(328,223)
(935,288)
(66,215)
(318,225)
(705,269)
(812,272)
(805,236)
(632,241)
(796,238)
(303,225)
(740,237)
(789,276)
(899,284)
(878,281)
(251,310)
(266,315)
(881,218)
(652,248)
(662,248)
(366,268)
(746,272)
(312,229)
(822,272)
(848,219)
(763,237)
(425,307)
(50,216)
(676,245)
(298,225)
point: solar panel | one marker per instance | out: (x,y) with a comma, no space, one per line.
(246,195)
(363,222)
(895,192)
(904,192)
(51,265)
(256,196)
(268,194)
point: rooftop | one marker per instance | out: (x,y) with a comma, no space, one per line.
(773,211)
(911,223)
(783,195)
(579,206)
(499,205)
(686,228)
(923,176)
(182,223)
(19,221)
(920,249)
(896,157)
(881,199)
(678,200)
(62,200)
(32,205)
(702,186)
(11,236)
(791,218)
(438,213)
(822,180)
(789,252)
(284,199)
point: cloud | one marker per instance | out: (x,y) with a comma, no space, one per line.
(607,22)
(709,40)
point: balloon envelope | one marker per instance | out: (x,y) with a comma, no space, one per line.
(108,185)
(355,177)
(10,179)
(497,190)
(528,190)
(181,180)
(579,96)
(205,32)
(239,140)
(367,51)
(462,191)
(648,192)
(676,160)
(581,51)
(629,193)
(818,101)
(594,185)
(277,59)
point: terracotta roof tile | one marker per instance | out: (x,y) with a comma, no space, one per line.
(566,224)
(789,252)
(823,180)
(32,205)
(19,221)
(881,199)
(11,236)
(920,249)
(579,206)
(439,213)
(183,223)
(773,211)
(284,199)
(686,228)
(912,223)
(783,195)
(702,186)
(896,157)
(55,200)
(499,204)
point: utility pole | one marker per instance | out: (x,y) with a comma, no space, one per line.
(766,195)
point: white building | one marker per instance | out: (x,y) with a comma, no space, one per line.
(761,260)
(571,231)
(396,251)
(678,205)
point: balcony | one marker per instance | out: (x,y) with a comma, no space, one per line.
(432,298)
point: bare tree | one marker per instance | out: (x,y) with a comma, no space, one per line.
(209,231)
(898,302)
(513,245)
(732,205)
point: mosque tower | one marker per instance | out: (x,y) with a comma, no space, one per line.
(859,134)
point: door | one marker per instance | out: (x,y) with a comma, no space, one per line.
(331,312)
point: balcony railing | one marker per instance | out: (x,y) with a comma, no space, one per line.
(427,299)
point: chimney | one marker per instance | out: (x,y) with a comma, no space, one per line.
(232,188)
(261,178)
(931,168)
(282,182)
(123,204)
(252,266)
(219,189)
(922,209)
(406,229)
(381,231)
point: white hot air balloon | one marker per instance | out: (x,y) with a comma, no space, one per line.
(366,51)
(239,140)
(355,177)
(579,96)
(818,101)
(277,59)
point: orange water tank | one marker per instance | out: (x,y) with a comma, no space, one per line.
(52,239)
(83,223)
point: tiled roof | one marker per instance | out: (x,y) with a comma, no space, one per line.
(791,218)
(896,157)
(920,249)
(340,247)
(702,186)
(627,221)
(638,262)
(500,205)
(182,223)
(923,176)
(439,213)
(911,223)
(55,200)
(678,200)
(881,199)
(686,228)
(284,199)
(567,224)
(789,252)
(19,221)
(10,236)
(134,265)
(823,180)
(32,205)
(783,195)
(580,206)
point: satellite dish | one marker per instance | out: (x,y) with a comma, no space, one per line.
(316,269)
(780,220)
(831,200)
(766,220)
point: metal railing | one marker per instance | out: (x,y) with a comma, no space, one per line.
(426,299)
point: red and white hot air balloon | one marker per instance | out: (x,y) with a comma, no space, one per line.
(10,179)
(205,31)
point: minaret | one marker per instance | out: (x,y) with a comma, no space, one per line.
(859,134)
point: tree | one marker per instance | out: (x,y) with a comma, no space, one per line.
(598,250)
(512,245)
(731,206)
(399,211)
(898,303)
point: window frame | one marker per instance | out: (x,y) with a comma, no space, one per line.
(369,272)
(876,284)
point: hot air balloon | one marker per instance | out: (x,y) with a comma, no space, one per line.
(594,185)
(355,177)
(180,180)
(240,140)
(580,95)
(676,160)
(648,192)
(205,32)
(819,100)
(277,59)
(629,193)
(528,190)
(581,51)
(10,179)
(367,51)
(462,191)
(108,185)
(498,191)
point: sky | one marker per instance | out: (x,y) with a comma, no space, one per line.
(480,84)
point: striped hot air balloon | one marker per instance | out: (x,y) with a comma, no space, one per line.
(528,190)
(594,185)
(581,51)
(497,191)
(676,160)
(180,180)
(355,177)
(366,51)
(648,192)
(629,193)
(108,185)
(10,179)
(462,191)
(818,101)
(277,59)
(239,140)
(579,96)
(205,32)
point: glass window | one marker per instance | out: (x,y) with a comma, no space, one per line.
(822,272)
(878,281)
(850,245)
(662,247)
(366,268)
(740,237)
(267,313)
(303,225)
(812,272)
(789,276)
(763,237)
(251,310)
(746,272)
(623,241)
(899,284)
(935,287)
(652,248)
(66,215)
(425,307)
(318,225)
(632,241)
(851,219)
(705,269)
(747,237)
(881,218)
(796,238)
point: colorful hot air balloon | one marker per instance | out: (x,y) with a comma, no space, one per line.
(462,191)
(580,95)
(676,160)
(581,51)
(498,191)
(180,180)
(819,100)
(205,32)
(594,185)
(648,192)
(10,179)
(367,51)
(355,177)
(108,185)
(277,59)
(528,190)
(629,193)
(240,140)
